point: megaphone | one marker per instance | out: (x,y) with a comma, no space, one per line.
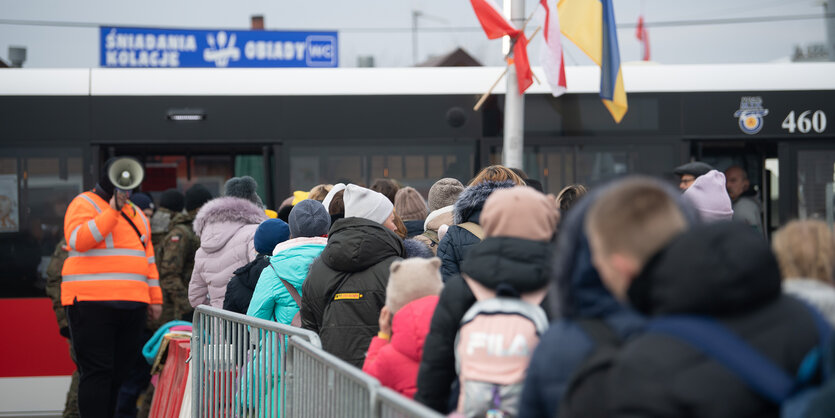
(126,173)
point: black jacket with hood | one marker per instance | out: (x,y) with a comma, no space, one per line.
(457,241)
(523,264)
(243,282)
(345,288)
(724,271)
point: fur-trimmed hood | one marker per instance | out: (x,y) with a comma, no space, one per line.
(220,218)
(469,204)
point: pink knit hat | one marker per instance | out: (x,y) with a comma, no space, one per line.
(710,198)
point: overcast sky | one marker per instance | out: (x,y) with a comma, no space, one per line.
(359,23)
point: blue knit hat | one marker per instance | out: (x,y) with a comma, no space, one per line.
(269,234)
(142,200)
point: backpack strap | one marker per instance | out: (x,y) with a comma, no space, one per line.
(474,229)
(721,344)
(290,288)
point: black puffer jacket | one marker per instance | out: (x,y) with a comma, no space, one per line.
(345,288)
(457,241)
(724,271)
(523,264)
(240,287)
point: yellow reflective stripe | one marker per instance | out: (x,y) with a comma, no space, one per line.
(92,203)
(74,236)
(152,260)
(91,224)
(108,253)
(105,276)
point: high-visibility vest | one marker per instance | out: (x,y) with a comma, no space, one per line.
(108,260)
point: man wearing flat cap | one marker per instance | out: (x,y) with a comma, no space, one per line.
(688,173)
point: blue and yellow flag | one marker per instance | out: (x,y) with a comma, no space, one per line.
(590,24)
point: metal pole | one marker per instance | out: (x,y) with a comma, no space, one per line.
(415,15)
(514,110)
(828,11)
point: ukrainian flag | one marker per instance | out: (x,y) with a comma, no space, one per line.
(590,24)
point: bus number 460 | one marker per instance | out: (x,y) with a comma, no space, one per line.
(804,123)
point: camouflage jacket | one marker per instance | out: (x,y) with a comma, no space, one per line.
(175,262)
(53,282)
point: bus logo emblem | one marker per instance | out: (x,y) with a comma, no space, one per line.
(750,114)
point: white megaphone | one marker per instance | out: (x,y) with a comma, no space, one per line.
(126,173)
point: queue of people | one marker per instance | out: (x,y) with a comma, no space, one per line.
(630,299)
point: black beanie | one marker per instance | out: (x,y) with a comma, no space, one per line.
(173,200)
(196,196)
(105,185)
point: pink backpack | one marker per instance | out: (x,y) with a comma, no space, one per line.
(493,347)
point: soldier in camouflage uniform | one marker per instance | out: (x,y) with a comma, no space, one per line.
(53,290)
(175,261)
(171,203)
(176,258)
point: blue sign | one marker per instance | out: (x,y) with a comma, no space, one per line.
(166,48)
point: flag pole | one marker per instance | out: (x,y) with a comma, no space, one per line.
(514,110)
(496,83)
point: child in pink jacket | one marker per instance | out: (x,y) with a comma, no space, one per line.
(411,296)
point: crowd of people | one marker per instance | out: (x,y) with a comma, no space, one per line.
(491,298)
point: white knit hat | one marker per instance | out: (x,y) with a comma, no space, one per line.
(368,204)
(338,187)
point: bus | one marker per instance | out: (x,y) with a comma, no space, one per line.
(294,128)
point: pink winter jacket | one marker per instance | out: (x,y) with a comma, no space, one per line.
(226,227)
(396,364)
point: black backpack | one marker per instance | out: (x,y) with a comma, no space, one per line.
(585,395)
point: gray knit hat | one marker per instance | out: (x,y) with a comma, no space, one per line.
(444,193)
(244,188)
(309,218)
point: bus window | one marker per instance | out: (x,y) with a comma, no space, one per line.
(815,174)
(35,189)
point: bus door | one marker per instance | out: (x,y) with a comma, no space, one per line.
(759,161)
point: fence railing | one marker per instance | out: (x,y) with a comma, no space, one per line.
(390,404)
(247,367)
(237,363)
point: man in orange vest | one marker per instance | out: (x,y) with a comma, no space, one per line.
(110,283)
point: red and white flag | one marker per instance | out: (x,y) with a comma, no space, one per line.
(496,26)
(643,36)
(551,51)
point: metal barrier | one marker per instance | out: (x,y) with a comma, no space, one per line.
(318,384)
(391,404)
(237,362)
(247,367)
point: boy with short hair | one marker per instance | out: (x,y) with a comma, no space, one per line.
(626,226)
(721,274)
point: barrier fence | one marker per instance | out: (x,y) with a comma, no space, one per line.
(247,367)
(237,363)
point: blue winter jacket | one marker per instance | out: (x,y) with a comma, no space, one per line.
(565,345)
(291,259)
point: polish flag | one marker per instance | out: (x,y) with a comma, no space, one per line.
(551,52)
(643,36)
(496,26)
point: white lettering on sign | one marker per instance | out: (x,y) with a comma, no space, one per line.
(147,50)
(807,121)
(274,51)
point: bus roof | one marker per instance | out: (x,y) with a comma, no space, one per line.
(401,81)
